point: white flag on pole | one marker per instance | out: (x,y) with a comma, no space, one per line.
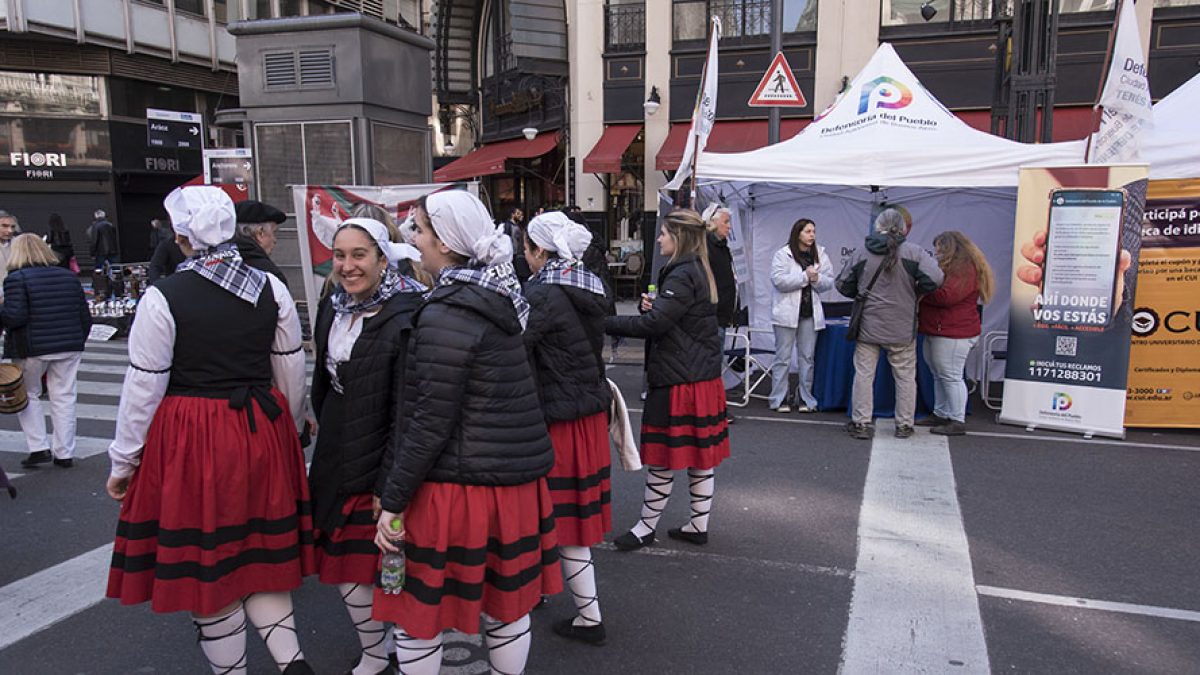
(703,116)
(1126,96)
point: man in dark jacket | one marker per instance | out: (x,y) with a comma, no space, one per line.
(167,256)
(513,227)
(257,225)
(102,236)
(160,231)
(902,272)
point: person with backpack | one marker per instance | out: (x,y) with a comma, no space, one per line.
(886,277)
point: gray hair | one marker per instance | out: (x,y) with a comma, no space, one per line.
(891,222)
(5,214)
(252,229)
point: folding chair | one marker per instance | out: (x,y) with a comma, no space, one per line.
(995,350)
(740,347)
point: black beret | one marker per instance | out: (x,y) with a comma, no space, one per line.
(251,211)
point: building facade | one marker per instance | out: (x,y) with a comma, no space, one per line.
(76,79)
(612,151)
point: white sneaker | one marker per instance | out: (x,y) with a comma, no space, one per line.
(806,409)
(785,408)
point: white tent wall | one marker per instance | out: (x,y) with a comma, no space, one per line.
(764,213)
(1172,146)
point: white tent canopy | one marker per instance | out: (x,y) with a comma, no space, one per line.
(1172,146)
(886,129)
(885,141)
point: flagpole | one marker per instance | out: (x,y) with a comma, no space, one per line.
(699,106)
(1097,109)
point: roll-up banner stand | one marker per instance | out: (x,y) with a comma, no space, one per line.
(1164,361)
(320,210)
(1075,251)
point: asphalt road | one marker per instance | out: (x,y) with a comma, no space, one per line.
(1001,551)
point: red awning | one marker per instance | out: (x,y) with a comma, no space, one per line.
(605,157)
(1070,124)
(729,136)
(489,159)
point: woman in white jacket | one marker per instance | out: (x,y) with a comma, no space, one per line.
(800,273)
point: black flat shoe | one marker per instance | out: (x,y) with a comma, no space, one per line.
(35,458)
(697,538)
(932,421)
(631,542)
(389,669)
(592,635)
(298,667)
(64,463)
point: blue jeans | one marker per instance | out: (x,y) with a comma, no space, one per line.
(947,357)
(802,339)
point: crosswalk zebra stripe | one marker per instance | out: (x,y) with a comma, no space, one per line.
(85,446)
(42,599)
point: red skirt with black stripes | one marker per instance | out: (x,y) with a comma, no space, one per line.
(215,512)
(684,426)
(471,550)
(347,554)
(579,481)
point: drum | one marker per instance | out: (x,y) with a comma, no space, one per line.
(12,389)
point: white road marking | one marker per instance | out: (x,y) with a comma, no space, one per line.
(914,608)
(40,600)
(85,446)
(1084,603)
(1027,437)
(93,388)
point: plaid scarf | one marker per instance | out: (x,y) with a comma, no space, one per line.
(393,283)
(497,278)
(223,265)
(564,272)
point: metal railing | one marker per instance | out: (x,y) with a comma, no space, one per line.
(624,27)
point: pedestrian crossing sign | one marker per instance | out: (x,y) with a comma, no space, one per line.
(778,86)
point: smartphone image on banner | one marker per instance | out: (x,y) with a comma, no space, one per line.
(1083,245)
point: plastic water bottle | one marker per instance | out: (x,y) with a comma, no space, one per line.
(391,573)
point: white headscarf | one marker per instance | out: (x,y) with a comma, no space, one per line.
(554,231)
(464,224)
(202,213)
(393,251)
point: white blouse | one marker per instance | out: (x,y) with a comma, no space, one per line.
(343,333)
(151,350)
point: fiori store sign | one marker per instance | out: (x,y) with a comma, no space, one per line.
(37,159)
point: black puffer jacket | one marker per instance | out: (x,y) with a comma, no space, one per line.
(256,257)
(565,337)
(681,327)
(721,261)
(372,382)
(471,412)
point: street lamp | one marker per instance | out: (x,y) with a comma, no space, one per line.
(653,102)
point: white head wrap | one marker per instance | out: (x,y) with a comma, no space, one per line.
(202,213)
(464,224)
(393,251)
(554,231)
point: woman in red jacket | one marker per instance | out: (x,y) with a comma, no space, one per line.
(950,322)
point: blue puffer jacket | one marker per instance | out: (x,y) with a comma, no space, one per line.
(44,312)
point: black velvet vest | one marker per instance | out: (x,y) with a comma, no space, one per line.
(222,343)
